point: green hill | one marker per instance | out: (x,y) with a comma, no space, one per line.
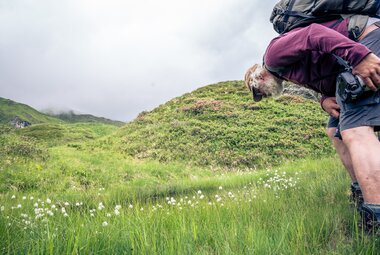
(48,130)
(9,110)
(220,125)
(217,125)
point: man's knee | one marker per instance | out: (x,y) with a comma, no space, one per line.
(337,142)
(331,133)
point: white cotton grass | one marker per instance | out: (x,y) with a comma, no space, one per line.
(117,210)
(33,211)
(101,206)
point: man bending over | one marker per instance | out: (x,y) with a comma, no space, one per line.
(308,56)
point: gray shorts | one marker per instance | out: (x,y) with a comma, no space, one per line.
(364,111)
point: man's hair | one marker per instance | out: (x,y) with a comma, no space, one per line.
(248,79)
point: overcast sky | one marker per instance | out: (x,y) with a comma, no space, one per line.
(116,58)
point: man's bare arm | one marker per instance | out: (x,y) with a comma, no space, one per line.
(369,70)
(331,106)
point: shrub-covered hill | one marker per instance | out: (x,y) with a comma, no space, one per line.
(220,125)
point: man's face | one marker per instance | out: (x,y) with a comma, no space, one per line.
(262,83)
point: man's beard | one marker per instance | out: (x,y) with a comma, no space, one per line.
(273,87)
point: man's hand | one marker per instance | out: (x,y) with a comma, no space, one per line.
(369,70)
(331,107)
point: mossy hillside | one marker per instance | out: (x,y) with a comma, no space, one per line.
(220,125)
(10,109)
(35,142)
(49,134)
(14,147)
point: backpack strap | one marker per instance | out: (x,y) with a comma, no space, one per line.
(290,6)
(338,21)
(356,26)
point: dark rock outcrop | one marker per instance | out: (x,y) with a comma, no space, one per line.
(293,89)
(19,123)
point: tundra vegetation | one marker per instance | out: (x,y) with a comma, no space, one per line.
(210,172)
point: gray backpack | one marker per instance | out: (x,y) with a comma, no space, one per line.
(289,14)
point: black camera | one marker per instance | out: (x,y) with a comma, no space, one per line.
(350,87)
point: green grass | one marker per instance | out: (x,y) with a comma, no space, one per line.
(58,134)
(299,208)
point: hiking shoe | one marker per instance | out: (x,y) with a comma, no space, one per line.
(356,195)
(370,218)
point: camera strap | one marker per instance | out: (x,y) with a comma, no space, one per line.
(343,63)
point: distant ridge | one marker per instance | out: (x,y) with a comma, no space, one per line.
(10,110)
(72,117)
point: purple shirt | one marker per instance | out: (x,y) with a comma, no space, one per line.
(304,55)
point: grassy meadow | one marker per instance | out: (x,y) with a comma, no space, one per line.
(298,208)
(210,172)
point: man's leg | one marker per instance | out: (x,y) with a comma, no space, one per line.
(343,153)
(364,150)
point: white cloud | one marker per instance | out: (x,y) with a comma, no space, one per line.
(116,58)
